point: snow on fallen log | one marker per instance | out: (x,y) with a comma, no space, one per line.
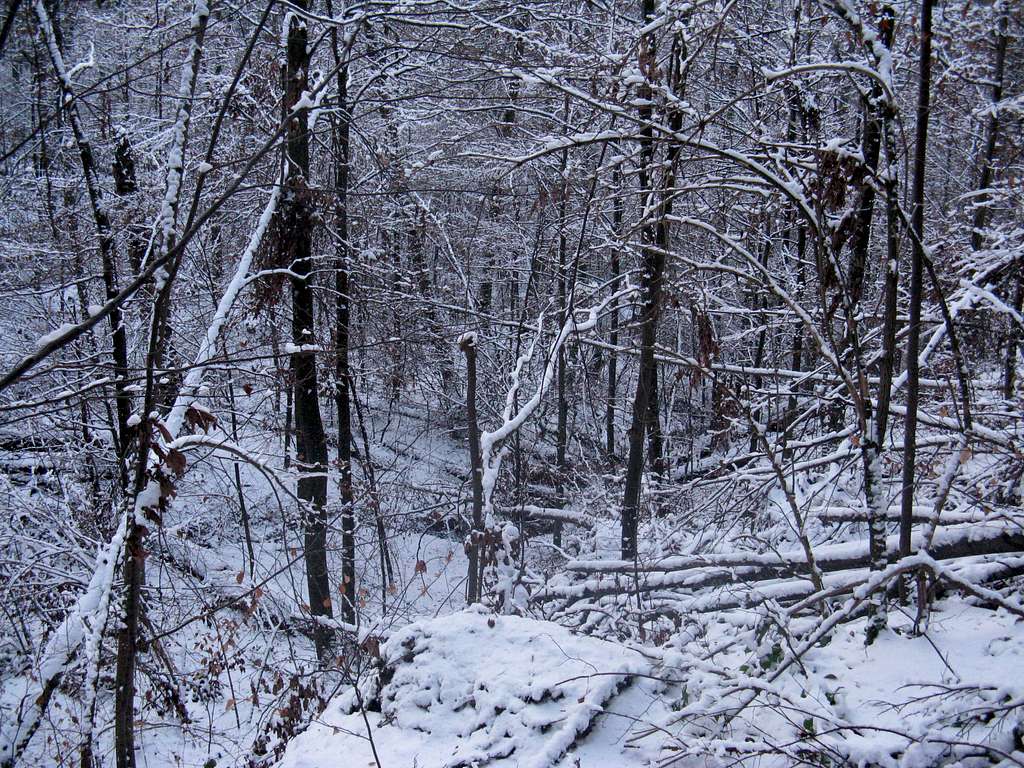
(920,515)
(473,689)
(535,512)
(559,515)
(969,570)
(693,572)
(962,536)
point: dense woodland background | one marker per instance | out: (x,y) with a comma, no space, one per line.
(317,318)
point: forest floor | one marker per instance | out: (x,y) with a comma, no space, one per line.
(231,679)
(469,689)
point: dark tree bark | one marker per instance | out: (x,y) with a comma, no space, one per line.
(916,273)
(128,634)
(613,336)
(125,185)
(561,430)
(468,346)
(871,144)
(655,244)
(310,441)
(655,441)
(342,373)
(289,411)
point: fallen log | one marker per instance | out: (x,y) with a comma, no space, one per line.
(693,572)
(786,592)
(846,554)
(555,514)
(921,515)
(558,515)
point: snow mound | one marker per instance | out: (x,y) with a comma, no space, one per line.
(474,689)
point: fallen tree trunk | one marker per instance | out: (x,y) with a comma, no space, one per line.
(558,515)
(787,592)
(922,515)
(701,571)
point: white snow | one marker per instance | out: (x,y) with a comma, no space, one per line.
(476,688)
(296,349)
(53,335)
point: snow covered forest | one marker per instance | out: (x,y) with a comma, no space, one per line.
(548,384)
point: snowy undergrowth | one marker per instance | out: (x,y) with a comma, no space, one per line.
(477,689)
(232,674)
(952,695)
(454,690)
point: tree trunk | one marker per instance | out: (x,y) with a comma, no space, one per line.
(128,633)
(289,411)
(343,289)
(561,431)
(872,448)
(310,441)
(613,337)
(982,205)
(916,271)
(655,442)
(243,511)
(981,209)
(655,244)
(762,337)
(796,131)
(125,185)
(1014,340)
(105,237)
(468,346)
(871,144)
(386,569)
(879,126)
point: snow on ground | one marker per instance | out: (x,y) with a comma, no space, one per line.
(451,690)
(904,701)
(472,688)
(966,653)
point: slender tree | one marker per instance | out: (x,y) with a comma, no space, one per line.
(342,319)
(657,204)
(297,237)
(913,348)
